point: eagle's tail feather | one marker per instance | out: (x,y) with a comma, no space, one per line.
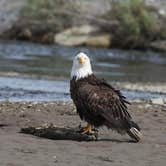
(134,131)
(125,126)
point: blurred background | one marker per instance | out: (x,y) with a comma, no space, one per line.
(125,39)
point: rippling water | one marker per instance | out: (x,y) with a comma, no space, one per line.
(19,89)
(45,61)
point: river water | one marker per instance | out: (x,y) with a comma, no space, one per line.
(34,72)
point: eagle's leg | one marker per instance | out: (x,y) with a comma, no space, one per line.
(88,129)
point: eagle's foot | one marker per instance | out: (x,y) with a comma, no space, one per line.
(87,130)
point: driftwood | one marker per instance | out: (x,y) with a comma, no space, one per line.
(60,133)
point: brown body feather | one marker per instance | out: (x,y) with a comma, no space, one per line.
(100,104)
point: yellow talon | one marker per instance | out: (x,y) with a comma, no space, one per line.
(87,129)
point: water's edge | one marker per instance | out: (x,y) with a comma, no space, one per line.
(35,90)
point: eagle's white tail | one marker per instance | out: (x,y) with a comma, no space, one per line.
(135,134)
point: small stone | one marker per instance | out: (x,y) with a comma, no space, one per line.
(147,105)
(54,157)
(157,146)
(29,106)
(158,101)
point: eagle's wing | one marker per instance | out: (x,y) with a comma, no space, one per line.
(103,100)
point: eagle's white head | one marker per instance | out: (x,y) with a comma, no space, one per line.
(81,66)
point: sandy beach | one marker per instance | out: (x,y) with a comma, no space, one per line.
(126,45)
(19,149)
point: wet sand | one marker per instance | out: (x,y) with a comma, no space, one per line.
(19,149)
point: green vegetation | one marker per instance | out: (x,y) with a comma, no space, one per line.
(138,24)
(51,13)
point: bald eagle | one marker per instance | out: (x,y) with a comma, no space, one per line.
(97,102)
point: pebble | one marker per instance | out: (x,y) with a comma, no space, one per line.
(54,157)
(157,146)
(158,101)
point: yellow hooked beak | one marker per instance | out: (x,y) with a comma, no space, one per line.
(82,60)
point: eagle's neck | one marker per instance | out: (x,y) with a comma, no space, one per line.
(81,72)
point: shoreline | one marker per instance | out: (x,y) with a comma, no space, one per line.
(146,92)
